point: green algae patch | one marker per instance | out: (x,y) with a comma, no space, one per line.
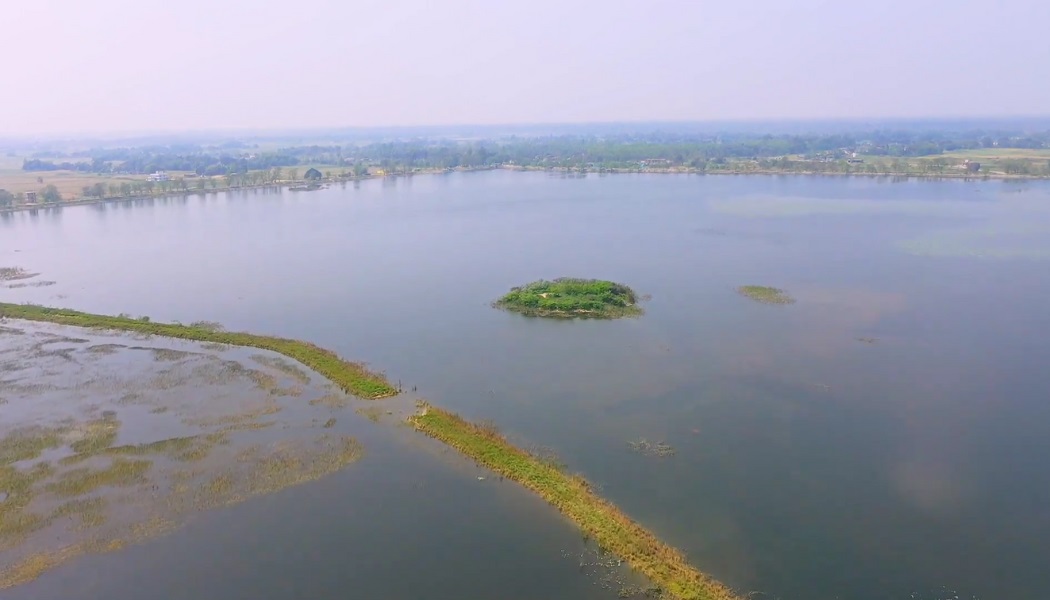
(353,378)
(572,495)
(765,294)
(568,298)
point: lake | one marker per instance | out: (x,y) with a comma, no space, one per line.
(884,437)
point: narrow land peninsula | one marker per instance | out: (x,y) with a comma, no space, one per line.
(353,378)
(571,494)
(567,298)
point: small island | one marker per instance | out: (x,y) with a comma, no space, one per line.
(765,294)
(568,298)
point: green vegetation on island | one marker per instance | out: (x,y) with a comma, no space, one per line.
(353,378)
(572,495)
(765,294)
(570,298)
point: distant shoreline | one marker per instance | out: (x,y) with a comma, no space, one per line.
(736,172)
(290,185)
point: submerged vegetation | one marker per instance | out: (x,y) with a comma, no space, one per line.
(353,378)
(568,297)
(14,273)
(655,449)
(69,483)
(765,294)
(572,495)
(599,519)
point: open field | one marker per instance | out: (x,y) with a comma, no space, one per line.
(999,153)
(69,183)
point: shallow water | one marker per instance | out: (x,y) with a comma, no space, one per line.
(808,463)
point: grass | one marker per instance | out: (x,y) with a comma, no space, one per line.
(570,297)
(765,294)
(28,443)
(572,495)
(69,183)
(994,153)
(121,473)
(353,378)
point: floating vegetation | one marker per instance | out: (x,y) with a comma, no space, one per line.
(168,355)
(106,349)
(372,413)
(32,284)
(573,496)
(1014,239)
(351,377)
(288,368)
(95,436)
(215,347)
(121,473)
(568,297)
(28,443)
(335,401)
(867,340)
(609,574)
(330,423)
(646,448)
(15,273)
(765,294)
(89,513)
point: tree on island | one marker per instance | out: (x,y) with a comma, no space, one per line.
(570,297)
(312,175)
(6,198)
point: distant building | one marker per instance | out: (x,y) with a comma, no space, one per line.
(312,174)
(30,197)
(158,176)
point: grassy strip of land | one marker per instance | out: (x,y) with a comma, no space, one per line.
(569,297)
(353,378)
(572,495)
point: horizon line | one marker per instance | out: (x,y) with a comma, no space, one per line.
(118,134)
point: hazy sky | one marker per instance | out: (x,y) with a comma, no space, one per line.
(134,65)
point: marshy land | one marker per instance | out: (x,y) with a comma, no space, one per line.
(757,418)
(110,439)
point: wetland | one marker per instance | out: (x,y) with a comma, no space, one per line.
(783,451)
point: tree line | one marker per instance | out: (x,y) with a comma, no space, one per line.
(613,151)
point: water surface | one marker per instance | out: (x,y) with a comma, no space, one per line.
(809,464)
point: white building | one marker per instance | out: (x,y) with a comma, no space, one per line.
(158,176)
